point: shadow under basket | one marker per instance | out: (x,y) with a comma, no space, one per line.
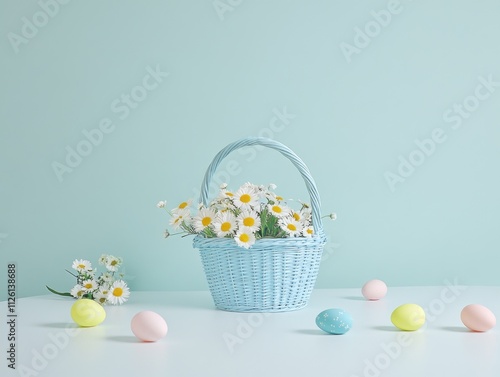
(274,275)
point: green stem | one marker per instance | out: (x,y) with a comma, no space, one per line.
(67,294)
(69,272)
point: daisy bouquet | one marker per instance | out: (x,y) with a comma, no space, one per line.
(107,288)
(250,213)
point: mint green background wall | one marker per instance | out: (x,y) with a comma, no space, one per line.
(355,106)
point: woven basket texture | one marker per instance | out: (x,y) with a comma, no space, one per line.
(275,274)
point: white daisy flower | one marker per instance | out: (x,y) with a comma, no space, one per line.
(226,194)
(101,298)
(118,293)
(104,289)
(82,265)
(224,224)
(162,204)
(291,226)
(249,219)
(183,206)
(244,237)
(247,197)
(205,218)
(77,291)
(304,215)
(297,216)
(107,277)
(102,259)
(308,231)
(278,210)
(222,204)
(227,205)
(179,217)
(113,263)
(89,285)
(273,197)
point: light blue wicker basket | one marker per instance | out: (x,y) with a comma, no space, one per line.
(275,274)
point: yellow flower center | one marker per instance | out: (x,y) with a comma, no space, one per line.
(248,221)
(183,205)
(225,227)
(88,285)
(277,209)
(296,216)
(102,300)
(229,193)
(114,262)
(80,294)
(82,266)
(245,198)
(206,221)
(291,227)
(244,237)
(117,292)
(279,197)
(309,231)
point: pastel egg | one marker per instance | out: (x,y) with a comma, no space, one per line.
(87,313)
(478,318)
(408,317)
(374,289)
(334,321)
(149,326)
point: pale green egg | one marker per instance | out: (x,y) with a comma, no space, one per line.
(87,313)
(408,317)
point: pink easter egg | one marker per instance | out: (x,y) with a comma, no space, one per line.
(478,318)
(149,326)
(374,290)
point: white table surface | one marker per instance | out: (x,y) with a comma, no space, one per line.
(278,344)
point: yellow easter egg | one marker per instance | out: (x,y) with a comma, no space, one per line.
(87,313)
(408,317)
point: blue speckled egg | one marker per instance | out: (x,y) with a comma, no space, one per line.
(334,321)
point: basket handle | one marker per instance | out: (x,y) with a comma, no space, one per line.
(285,151)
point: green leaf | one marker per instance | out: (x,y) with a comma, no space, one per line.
(67,294)
(263,220)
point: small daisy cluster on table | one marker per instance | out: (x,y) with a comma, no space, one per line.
(108,288)
(250,213)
